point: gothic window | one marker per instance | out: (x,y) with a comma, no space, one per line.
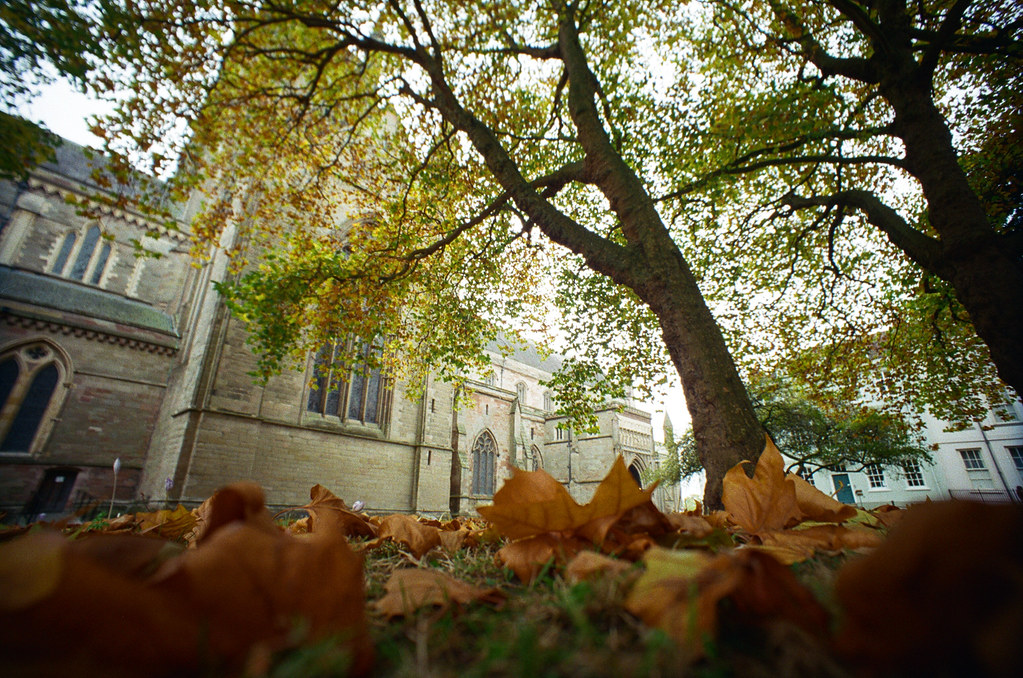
(89,260)
(520,389)
(548,401)
(484,458)
(537,458)
(348,383)
(490,379)
(29,379)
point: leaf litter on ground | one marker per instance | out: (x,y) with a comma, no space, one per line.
(223,589)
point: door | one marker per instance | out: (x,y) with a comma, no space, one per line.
(843,490)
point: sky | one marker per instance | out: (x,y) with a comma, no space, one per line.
(66,112)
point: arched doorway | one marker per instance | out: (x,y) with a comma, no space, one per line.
(634,472)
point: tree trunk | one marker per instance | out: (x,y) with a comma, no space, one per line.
(985,271)
(725,425)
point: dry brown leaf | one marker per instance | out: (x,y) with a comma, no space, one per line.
(50,593)
(681,590)
(794,546)
(453,540)
(527,557)
(943,595)
(237,502)
(410,589)
(247,587)
(327,511)
(697,526)
(589,565)
(405,529)
(250,586)
(531,503)
(166,523)
(817,506)
(765,502)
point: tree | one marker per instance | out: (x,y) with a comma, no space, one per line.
(38,41)
(861,163)
(407,170)
(813,438)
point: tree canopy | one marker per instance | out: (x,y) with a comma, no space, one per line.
(433,171)
(858,167)
(849,437)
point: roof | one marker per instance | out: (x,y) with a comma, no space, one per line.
(526,353)
(69,296)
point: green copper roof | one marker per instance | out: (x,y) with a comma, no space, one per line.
(64,295)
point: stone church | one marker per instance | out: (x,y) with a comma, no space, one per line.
(108,356)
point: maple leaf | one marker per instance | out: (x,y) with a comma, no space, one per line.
(765,502)
(241,589)
(410,589)
(943,595)
(527,557)
(680,591)
(817,506)
(327,511)
(797,545)
(545,522)
(589,565)
(407,530)
(166,523)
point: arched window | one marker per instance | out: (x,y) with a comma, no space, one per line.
(484,458)
(89,261)
(537,458)
(548,401)
(29,379)
(520,389)
(355,391)
(490,379)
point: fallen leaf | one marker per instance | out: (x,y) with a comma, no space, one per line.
(589,565)
(245,588)
(237,502)
(410,589)
(817,506)
(531,503)
(943,595)
(327,511)
(765,502)
(527,557)
(168,524)
(405,529)
(797,545)
(680,593)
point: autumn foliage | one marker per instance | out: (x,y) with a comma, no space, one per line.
(224,588)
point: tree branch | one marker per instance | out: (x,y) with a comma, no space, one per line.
(922,249)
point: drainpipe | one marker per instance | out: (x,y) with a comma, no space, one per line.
(420,438)
(991,452)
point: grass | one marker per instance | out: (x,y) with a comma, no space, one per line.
(554,628)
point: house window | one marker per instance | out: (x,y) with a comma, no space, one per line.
(914,474)
(348,383)
(971,459)
(1017,457)
(805,473)
(86,262)
(875,475)
(559,433)
(484,457)
(29,379)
